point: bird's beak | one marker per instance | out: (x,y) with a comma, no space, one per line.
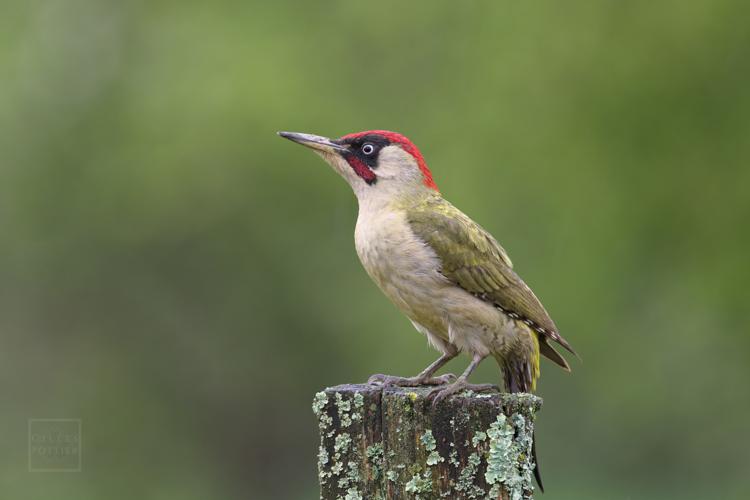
(313,141)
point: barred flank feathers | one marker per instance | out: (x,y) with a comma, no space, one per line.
(518,375)
(543,332)
(551,334)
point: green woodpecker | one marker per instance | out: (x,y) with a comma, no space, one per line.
(449,276)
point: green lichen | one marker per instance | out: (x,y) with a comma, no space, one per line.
(453,458)
(428,441)
(343,407)
(434,458)
(479,437)
(509,458)
(391,475)
(322,456)
(346,414)
(375,457)
(341,445)
(337,468)
(327,421)
(343,463)
(322,462)
(353,494)
(351,477)
(467,477)
(320,401)
(359,401)
(419,484)
(324,420)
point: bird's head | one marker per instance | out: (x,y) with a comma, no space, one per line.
(375,162)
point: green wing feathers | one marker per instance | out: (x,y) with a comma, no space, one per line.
(476,262)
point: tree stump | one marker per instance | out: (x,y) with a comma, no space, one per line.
(389,443)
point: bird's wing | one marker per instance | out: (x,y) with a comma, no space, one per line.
(475,261)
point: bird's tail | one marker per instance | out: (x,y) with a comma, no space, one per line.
(520,376)
(537,472)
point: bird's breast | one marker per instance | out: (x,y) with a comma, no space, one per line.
(408,272)
(404,267)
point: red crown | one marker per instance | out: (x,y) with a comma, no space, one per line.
(407,146)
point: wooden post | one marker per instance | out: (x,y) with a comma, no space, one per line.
(389,443)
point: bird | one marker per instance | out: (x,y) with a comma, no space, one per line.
(447,274)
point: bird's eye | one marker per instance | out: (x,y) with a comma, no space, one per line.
(368,149)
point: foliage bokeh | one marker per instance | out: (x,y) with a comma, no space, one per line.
(183,280)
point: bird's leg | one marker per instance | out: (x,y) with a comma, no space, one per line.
(424,378)
(462,383)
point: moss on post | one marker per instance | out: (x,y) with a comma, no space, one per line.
(389,443)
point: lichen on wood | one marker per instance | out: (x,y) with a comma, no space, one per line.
(390,443)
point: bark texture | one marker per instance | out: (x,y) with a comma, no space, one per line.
(389,443)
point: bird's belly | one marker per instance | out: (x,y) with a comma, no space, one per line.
(408,273)
(405,269)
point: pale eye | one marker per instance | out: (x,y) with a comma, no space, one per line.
(368,149)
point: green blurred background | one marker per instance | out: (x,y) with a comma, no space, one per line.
(183,280)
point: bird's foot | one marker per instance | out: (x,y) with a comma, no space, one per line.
(440,394)
(389,380)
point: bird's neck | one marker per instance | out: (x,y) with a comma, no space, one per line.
(380,198)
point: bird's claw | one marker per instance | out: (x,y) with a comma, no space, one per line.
(379,379)
(446,378)
(390,380)
(440,394)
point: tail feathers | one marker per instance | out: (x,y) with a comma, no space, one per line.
(550,353)
(537,472)
(520,375)
(560,340)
